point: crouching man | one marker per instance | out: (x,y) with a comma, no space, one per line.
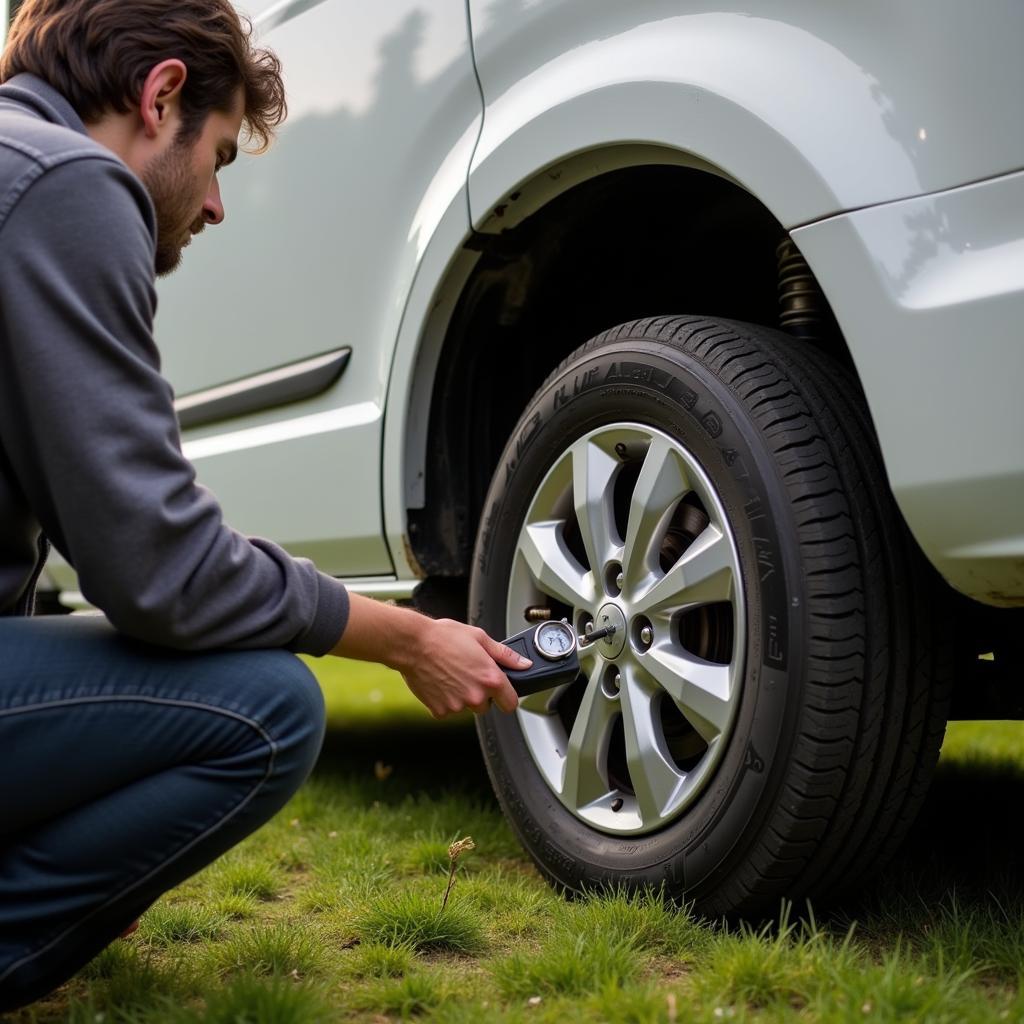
(137,748)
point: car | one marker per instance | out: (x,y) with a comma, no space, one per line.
(694,320)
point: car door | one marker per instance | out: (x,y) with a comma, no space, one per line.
(320,244)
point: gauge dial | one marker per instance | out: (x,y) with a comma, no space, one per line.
(554,640)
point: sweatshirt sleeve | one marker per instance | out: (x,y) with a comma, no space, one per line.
(88,425)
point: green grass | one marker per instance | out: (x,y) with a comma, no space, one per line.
(332,911)
(412,917)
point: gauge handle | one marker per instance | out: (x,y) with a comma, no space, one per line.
(543,674)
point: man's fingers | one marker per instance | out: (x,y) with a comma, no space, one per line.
(506,697)
(503,655)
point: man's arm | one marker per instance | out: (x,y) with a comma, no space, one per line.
(448,665)
(88,427)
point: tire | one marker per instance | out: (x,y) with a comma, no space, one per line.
(772,736)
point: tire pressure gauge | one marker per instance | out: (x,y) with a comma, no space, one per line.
(554,640)
(553,647)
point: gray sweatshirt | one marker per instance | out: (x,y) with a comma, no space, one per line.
(90,456)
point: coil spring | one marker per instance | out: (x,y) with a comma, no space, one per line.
(802,308)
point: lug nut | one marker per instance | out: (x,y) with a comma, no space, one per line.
(618,581)
(646,635)
(617,681)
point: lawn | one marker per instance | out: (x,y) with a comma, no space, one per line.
(332,912)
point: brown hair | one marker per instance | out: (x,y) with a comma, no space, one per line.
(97,53)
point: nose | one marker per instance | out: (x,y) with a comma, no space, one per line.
(213,208)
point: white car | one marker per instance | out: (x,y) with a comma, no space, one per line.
(699,319)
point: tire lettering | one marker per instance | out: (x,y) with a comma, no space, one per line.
(774,652)
(752,761)
(765,557)
(628,371)
(653,376)
(580,383)
(533,424)
(712,424)
(685,396)
(526,434)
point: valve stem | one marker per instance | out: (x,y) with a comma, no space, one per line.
(598,634)
(535,613)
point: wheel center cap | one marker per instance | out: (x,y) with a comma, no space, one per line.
(611,615)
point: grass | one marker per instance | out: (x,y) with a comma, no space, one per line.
(332,911)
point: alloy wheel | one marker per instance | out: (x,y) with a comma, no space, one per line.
(626,529)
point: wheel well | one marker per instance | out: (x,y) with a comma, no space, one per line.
(634,242)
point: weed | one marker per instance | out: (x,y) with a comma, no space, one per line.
(455,851)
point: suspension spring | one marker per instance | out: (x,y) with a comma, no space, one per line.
(802,305)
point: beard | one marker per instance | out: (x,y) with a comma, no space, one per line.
(169,182)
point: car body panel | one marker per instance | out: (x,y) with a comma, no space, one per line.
(814,108)
(930,294)
(856,126)
(321,243)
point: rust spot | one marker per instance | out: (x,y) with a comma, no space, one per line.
(410,557)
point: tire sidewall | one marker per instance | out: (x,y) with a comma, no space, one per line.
(633,379)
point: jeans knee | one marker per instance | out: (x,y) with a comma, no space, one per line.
(294,714)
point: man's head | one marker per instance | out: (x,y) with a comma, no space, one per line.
(167,84)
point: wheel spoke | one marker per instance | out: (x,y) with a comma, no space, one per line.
(593,471)
(655,778)
(660,485)
(544,701)
(699,688)
(586,761)
(702,575)
(552,566)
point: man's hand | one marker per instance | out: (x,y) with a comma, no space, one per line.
(448,665)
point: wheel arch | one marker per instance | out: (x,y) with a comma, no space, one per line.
(606,236)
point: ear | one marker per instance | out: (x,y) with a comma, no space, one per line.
(160,102)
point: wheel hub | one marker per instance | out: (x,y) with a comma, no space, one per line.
(611,615)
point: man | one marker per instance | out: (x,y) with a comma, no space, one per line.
(133,754)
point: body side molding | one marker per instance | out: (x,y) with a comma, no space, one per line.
(262,391)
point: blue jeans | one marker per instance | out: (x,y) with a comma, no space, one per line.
(124,769)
